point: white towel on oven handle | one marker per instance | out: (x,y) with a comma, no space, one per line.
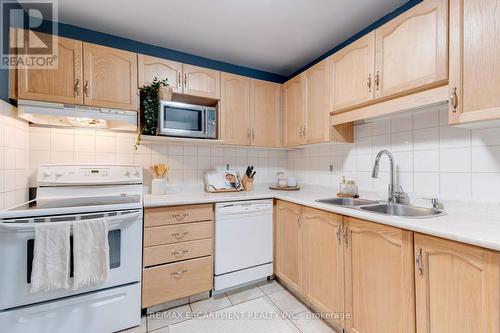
(51,257)
(90,252)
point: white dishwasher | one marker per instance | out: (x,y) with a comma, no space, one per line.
(243,242)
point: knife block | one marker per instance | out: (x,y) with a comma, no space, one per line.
(247,183)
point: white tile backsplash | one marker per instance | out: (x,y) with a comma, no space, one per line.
(15,140)
(432,158)
(188,162)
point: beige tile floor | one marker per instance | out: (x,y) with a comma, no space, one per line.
(272,291)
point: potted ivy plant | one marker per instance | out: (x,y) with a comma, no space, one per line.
(150,105)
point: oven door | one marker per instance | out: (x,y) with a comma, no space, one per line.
(183,120)
(16,257)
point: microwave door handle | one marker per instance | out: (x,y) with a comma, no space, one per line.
(204,122)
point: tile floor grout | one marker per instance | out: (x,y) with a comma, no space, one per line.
(264,296)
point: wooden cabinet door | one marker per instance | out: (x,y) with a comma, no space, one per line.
(457,287)
(318,103)
(110,77)
(474,61)
(379,278)
(289,248)
(352,78)
(295,109)
(202,82)
(235,109)
(412,50)
(61,85)
(324,262)
(151,67)
(265,106)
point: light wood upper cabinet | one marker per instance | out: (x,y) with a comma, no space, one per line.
(202,82)
(352,77)
(318,103)
(295,110)
(324,262)
(151,67)
(412,50)
(61,85)
(289,244)
(379,278)
(110,77)
(456,287)
(265,106)
(235,109)
(474,61)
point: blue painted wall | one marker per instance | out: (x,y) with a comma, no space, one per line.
(91,36)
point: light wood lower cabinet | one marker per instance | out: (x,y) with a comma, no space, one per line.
(324,263)
(169,282)
(289,245)
(457,287)
(379,289)
(178,251)
(373,278)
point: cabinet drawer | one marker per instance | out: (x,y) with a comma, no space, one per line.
(163,254)
(177,233)
(169,282)
(177,214)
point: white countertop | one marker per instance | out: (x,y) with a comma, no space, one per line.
(462,222)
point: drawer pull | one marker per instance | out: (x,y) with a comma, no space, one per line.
(179,253)
(180,217)
(178,274)
(180,235)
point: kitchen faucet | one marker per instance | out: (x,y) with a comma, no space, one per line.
(393,195)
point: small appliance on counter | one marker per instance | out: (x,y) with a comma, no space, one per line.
(223,181)
(285,183)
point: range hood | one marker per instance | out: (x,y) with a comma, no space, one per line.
(68,115)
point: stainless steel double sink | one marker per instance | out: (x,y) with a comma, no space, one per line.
(384,208)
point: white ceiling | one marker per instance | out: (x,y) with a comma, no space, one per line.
(277,36)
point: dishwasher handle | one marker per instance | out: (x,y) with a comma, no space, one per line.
(243,208)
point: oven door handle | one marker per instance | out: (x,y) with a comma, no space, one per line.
(113,222)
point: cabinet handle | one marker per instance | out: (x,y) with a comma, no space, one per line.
(339,234)
(369,83)
(253,133)
(180,217)
(178,274)
(180,235)
(179,253)
(419,263)
(377,80)
(304,129)
(454,99)
(86,88)
(185,80)
(179,80)
(346,237)
(77,87)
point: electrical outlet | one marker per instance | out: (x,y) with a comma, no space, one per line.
(333,168)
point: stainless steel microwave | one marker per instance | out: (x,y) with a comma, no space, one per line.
(188,120)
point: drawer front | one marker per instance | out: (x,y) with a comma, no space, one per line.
(163,254)
(177,233)
(169,282)
(177,214)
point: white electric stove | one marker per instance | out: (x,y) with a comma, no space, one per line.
(72,193)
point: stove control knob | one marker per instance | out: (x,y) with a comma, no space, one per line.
(46,173)
(127,173)
(59,173)
(136,173)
